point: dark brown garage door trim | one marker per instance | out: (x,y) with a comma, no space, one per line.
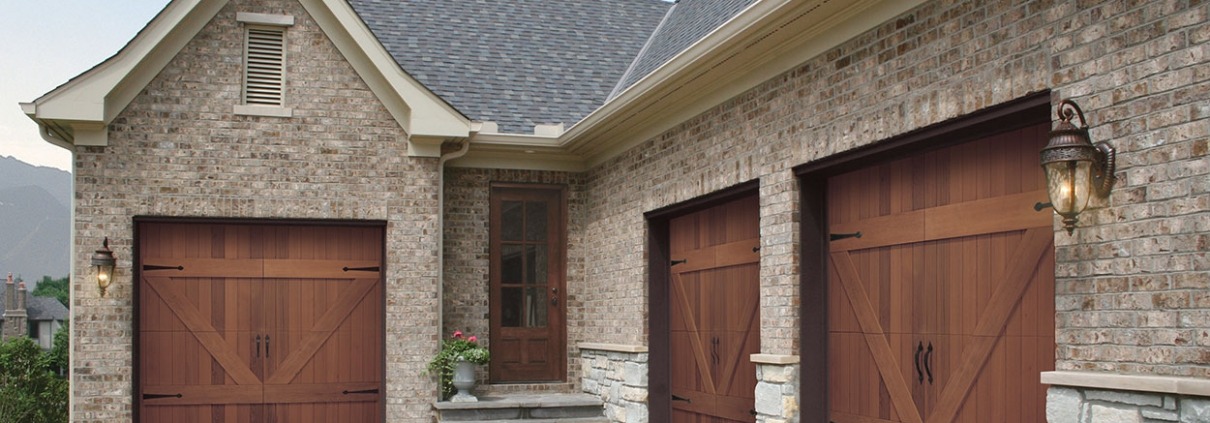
(1031,109)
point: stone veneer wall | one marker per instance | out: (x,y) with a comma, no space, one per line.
(618,375)
(177,150)
(466,255)
(777,397)
(1132,280)
(1084,405)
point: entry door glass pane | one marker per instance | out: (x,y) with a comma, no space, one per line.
(512,220)
(512,264)
(535,221)
(535,299)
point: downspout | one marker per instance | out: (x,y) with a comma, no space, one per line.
(466,146)
(61,141)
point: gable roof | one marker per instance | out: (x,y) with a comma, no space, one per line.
(36,308)
(79,111)
(517,63)
(686,23)
(719,49)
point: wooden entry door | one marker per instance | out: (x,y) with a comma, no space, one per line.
(528,341)
(243,323)
(943,309)
(714,313)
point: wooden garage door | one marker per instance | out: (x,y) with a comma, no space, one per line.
(243,323)
(714,313)
(943,310)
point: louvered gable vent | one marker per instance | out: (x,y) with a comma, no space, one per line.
(265,66)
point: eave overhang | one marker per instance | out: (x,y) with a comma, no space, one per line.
(79,112)
(768,38)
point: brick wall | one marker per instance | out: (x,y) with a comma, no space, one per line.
(1132,281)
(177,150)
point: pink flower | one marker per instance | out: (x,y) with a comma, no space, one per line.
(458,334)
(472,338)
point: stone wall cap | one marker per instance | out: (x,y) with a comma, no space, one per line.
(613,347)
(774,359)
(1129,382)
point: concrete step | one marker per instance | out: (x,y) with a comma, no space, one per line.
(544,408)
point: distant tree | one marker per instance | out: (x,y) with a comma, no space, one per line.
(54,288)
(56,358)
(29,390)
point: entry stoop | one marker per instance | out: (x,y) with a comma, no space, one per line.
(534,408)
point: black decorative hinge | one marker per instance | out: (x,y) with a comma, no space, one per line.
(835,237)
(1039,206)
(363,391)
(681,261)
(363,269)
(158,267)
(680,398)
(158,396)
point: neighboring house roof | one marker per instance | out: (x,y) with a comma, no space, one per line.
(517,63)
(44,308)
(686,23)
(36,308)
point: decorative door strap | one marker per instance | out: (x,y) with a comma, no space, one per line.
(158,267)
(363,391)
(158,396)
(363,269)
(681,261)
(836,237)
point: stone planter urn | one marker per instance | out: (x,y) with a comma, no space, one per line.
(464,380)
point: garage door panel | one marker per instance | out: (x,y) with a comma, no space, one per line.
(952,256)
(308,336)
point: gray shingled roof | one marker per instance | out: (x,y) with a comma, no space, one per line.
(36,308)
(515,62)
(687,22)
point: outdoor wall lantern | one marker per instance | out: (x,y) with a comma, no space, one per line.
(1076,169)
(103,263)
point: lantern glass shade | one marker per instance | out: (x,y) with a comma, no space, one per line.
(1069,183)
(104,275)
(103,263)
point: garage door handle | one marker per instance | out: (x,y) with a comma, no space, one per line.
(919,374)
(927,367)
(266,346)
(257,346)
(363,391)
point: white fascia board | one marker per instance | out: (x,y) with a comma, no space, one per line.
(99,94)
(516,151)
(418,110)
(765,40)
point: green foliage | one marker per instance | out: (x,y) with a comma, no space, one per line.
(54,288)
(57,356)
(452,351)
(30,391)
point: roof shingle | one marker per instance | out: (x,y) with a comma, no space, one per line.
(518,63)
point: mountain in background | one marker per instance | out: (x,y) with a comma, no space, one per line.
(35,220)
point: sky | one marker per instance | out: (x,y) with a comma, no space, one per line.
(43,44)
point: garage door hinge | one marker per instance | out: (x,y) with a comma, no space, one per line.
(835,237)
(157,267)
(362,269)
(158,396)
(681,261)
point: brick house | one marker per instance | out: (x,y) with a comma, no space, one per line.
(745,210)
(26,315)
